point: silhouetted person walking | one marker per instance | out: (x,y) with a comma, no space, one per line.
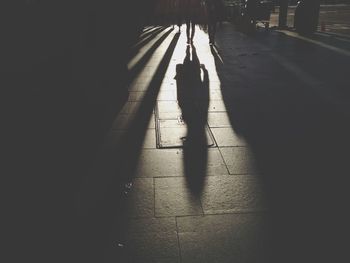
(190,10)
(214,12)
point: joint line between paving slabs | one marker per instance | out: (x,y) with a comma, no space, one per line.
(178,238)
(154,197)
(228,171)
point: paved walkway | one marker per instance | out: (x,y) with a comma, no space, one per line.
(207,151)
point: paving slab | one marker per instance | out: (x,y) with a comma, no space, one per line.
(175,136)
(150,139)
(227,137)
(223,238)
(173,198)
(154,247)
(122,121)
(141,198)
(170,162)
(231,194)
(216,106)
(167,95)
(160,163)
(239,160)
(218,119)
(149,142)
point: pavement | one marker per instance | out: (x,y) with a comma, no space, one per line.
(333,18)
(233,153)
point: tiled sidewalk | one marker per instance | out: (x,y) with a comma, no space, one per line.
(169,223)
(275,126)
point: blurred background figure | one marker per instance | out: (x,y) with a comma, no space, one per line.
(190,10)
(214,15)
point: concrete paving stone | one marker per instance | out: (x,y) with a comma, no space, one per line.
(138,86)
(172,198)
(228,194)
(218,119)
(136,95)
(150,139)
(116,136)
(122,121)
(214,85)
(167,95)
(238,225)
(227,137)
(152,225)
(157,163)
(168,106)
(213,95)
(215,163)
(130,107)
(248,234)
(169,162)
(176,136)
(175,123)
(168,84)
(239,160)
(208,247)
(216,106)
(141,198)
(154,247)
(169,115)
(142,82)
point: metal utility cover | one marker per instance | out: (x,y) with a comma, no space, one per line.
(172,134)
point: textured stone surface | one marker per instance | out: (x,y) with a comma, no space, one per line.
(130,107)
(175,134)
(150,139)
(122,121)
(227,194)
(156,225)
(224,238)
(168,106)
(141,198)
(208,247)
(157,163)
(218,119)
(167,95)
(169,162)
(172,198)
(227,137)
(154,247)
(136,95)
(239,160)
(216,106)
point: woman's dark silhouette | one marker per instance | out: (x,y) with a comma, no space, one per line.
(190,11)
(193,99)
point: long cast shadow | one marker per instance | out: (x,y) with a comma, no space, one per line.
(146,57)
(145,40)
(116,167)
(193,99)
(300,142)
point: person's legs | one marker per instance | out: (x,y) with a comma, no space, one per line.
(193,25)
(210,32)
(179,22)
(188,26)
(213,31)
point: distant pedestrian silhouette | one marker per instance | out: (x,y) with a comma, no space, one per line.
(190,10)
(214,15)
